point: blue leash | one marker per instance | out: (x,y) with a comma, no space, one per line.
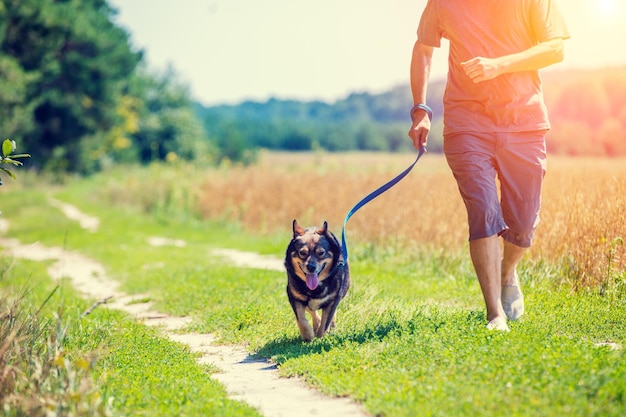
(370,197)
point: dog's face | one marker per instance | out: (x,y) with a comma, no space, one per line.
(312,254)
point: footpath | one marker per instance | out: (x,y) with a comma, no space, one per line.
(246,378)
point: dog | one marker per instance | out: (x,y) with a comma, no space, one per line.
(318,278)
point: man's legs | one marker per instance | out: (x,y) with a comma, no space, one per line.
(512,297)
(512,255)
(498,279)
(519,161)
(521,168)
(471,159)
(485,254)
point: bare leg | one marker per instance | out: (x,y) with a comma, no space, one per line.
(512,297)
(485,254)
(512,255)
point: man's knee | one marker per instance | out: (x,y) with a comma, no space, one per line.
(522,239)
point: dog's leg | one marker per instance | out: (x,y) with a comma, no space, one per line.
(306,331)
(326,322)
(316,319)
(328,317)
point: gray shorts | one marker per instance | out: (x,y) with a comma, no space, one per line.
(518,161)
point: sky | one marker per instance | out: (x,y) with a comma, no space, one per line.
(228,51)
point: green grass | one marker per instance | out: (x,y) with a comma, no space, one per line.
(149,375)
(433,361)
(113,365)
(136,368)
(410,338)
(42,368)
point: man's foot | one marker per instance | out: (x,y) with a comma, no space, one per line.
(499,323)
(512,301)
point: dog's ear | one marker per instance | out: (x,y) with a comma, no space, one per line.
(331,238)
(297,229)
(322,230)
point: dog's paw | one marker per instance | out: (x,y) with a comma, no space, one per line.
(306,331)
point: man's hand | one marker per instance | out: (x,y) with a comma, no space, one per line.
(546,53)
(481,69)
(420,129)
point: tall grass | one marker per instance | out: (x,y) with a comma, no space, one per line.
(39,374)
(584,222)
(582,229)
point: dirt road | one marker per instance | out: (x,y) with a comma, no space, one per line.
(253,381)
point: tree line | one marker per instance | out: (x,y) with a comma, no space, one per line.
(587,111)
(77,96)
(362,121)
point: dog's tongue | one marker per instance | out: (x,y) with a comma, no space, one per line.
(311,281)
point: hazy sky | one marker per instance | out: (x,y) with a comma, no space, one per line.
(231,50)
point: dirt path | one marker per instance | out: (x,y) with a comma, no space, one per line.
(253,381)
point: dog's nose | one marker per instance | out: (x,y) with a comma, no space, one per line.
(311,267)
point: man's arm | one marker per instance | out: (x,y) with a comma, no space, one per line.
(534,58)
(420,73)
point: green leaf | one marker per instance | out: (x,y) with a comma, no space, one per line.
(9,173)
(12,161)
(21,155)
(8,146)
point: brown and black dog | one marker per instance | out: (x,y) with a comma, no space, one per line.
(317,278)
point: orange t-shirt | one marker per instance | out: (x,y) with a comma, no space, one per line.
(491,28)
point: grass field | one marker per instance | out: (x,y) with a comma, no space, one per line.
(410,339)
(581,233)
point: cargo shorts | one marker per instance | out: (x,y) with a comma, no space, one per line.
(514,160)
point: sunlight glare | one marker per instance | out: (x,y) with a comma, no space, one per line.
(609,9)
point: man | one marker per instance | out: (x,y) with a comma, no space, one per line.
(495,123)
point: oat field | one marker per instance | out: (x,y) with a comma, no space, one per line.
(583,220)
(582,229)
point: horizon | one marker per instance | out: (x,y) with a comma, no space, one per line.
(334,101)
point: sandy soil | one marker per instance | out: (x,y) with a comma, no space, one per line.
(253,381)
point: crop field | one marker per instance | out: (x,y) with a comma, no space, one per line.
(410,337)
(582,221)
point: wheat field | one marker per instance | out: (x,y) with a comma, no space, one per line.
(582,220)
(583,216)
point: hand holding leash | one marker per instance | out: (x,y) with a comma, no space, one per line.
(389,184)
(382,188)
(421,126)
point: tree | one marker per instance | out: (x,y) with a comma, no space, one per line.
(586,101)
(71,65)
(16,114)
(612,138)
(234,147)
(167,125)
